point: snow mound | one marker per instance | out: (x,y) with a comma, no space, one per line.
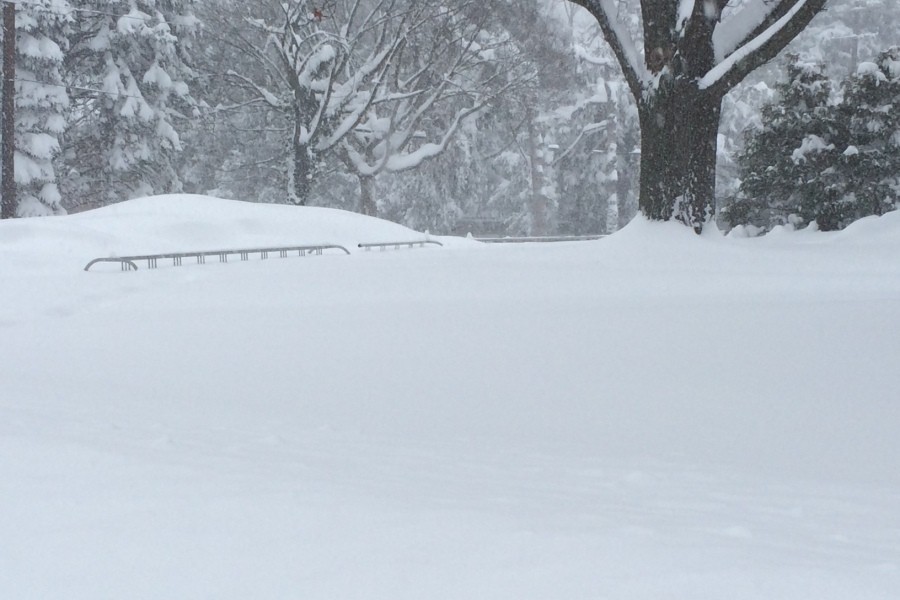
(184,223)
(883,230)
(194,222)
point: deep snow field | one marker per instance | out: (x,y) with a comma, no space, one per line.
(650,416)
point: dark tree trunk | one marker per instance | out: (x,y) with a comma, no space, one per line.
(367,204)
(304,161)
(8,202)
(679,129)
(303,169)
(679,121)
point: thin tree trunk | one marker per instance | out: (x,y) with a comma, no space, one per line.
(627,168)
(624,167)
(679,132)
(303,165)
(8,202)
(538,200)
(367,204)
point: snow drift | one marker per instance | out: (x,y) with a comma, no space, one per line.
(650,415)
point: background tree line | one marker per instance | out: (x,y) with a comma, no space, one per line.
(491,117)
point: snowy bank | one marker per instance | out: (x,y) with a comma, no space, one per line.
(655,414)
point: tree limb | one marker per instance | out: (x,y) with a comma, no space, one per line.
(776,10)
(623,47)
(763,47)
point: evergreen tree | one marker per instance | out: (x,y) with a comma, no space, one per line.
(871,163)
(740,112)
(41,104)
(123,140)
(787,165)
(818,159)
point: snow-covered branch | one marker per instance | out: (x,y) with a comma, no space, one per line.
(742,26)
(457,69)
(685,10)
(585,131)
(623,47)
(762,45)
(261,92)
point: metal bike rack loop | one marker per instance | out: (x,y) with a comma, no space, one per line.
(397,245)
(129,263)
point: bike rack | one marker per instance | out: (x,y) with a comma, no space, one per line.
(397,245)
(129,263)
(543,238)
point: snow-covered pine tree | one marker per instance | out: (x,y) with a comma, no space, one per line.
(788,165)
(871,163)
(815,159)
(122,141)
(41,104)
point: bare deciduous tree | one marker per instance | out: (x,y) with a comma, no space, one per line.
(365,79)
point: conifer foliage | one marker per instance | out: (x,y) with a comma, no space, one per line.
(823,157)
(100,88)
(872,108)
(128,68)
(41,104)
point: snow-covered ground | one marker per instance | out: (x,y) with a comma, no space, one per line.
(650,416)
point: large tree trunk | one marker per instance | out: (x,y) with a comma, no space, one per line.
(680,81)
(679,129)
